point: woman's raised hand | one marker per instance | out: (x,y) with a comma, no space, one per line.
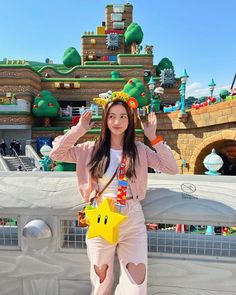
(150,126)
(85,120)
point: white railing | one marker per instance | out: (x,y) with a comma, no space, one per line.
(31,153)
(3,165)
(66,112)
(96,111)
(78,111)
(142,111)
(53,260)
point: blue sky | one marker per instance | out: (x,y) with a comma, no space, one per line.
(196,35)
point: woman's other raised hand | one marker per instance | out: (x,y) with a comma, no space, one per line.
(85,120)
(150,126)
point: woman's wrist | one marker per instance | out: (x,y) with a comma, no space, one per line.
(153,137)
(79,130)
(156,140)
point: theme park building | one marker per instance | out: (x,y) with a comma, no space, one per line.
(108,61)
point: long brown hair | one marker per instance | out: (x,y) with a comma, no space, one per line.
(100,159)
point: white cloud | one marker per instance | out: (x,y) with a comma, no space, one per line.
(196,89)
(218,89)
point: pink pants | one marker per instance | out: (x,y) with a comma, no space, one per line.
(131,248)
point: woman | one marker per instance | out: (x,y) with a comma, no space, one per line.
(96,163)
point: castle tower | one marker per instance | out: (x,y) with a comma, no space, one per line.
(118,17)
(94,47)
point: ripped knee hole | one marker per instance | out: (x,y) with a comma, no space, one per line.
(101,272)
(137,272)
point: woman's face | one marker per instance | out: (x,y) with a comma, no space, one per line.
(117,120)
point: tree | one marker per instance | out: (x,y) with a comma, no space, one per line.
(133,36)
(203,98)
(223,93)
(71,58)
(45,106)
(165,63)
(189,101)
(135,88)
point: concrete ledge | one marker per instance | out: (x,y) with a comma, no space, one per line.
(44,267)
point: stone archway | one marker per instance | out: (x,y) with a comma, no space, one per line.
(178,159)
(217,141)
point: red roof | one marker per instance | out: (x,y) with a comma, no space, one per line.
(117,31)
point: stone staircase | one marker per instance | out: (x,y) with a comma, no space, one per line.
(13,163)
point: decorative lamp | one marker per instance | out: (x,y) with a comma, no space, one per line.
(184,77)
(181,90)
(151,83)
(151,86)
(212,87)
(45,150)
(213,163)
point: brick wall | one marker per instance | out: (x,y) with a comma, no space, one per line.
(16,120)
(24,82)
(208,127)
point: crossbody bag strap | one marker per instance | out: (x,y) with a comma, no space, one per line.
(98,194)
(106,186)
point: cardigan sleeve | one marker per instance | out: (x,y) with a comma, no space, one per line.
(64,148)
(161,158)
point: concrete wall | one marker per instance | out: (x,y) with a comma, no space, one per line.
(40,265)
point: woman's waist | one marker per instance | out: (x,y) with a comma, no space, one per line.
(114,197)
(131,205)
(113,190)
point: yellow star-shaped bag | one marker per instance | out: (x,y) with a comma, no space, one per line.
(104,221)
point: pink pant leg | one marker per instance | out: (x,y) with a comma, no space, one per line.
(132,248)
(100,254)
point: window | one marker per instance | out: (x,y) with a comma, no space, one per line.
(163,238)
(72,236)
(8,232)
(193,241)
(118,25)
(118,8)
(116,17)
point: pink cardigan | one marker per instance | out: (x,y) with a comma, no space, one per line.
(64,150)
